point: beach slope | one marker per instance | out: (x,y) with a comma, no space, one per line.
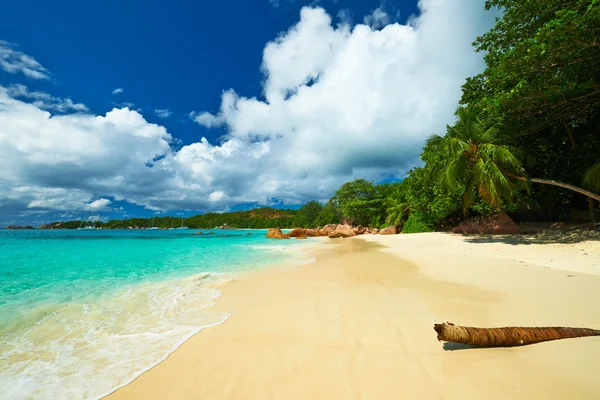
(358,324)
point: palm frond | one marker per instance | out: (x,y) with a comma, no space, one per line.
(455,172)
(591,178)
(503,157)
(468,197)
(488,135)
(491,182)
(456,146)
(435,140)
(397,213)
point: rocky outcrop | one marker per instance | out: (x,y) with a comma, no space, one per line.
(390,230)
(359,230)
(346,230)
(342,231)
(497,224)
(375,231)
(225,227)
(55,225)
(275,233)
(328,229)
(336,235)
(313,232)
(297,232)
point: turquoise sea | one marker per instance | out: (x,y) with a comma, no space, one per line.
(85,312)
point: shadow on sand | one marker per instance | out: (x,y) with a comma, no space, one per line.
(560,236)
(451,346)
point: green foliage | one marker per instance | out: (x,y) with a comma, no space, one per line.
(398,208)
(542,80)
(476,162)
(484,208)
(259,218)
(328,215)
(417,222)
(591,178)
(543,60)
(375,222)
(361,201)
(308,214)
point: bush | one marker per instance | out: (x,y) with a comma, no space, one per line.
(416,223)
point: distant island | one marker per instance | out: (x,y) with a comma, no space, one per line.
(255,219)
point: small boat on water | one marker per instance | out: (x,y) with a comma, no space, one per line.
(153,227)
(87,227)
(182,227)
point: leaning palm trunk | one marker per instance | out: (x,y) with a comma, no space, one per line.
(559,184)
(506,337)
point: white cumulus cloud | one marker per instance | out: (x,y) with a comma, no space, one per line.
(100,205)
(348,102)
(118,90)
(378,18)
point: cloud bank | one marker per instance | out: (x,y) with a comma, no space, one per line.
(339,102)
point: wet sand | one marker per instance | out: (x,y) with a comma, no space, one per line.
(358,324)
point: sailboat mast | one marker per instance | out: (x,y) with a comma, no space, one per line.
(86,217)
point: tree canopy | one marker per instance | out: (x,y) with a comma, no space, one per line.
(361,202)
(307,215)
(543,64)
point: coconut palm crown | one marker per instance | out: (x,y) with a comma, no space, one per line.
(477,162)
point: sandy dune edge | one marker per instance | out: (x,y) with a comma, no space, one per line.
(357,324)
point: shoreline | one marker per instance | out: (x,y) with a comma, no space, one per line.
(358,322)
(90,327)
(301,257)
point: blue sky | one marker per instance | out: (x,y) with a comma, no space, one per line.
(269,84)
(176,55)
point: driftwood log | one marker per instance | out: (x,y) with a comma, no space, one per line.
(506,337)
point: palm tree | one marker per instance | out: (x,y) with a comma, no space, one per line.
(398,208)
(397,213)
(476,161)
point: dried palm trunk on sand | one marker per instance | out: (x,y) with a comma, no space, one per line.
(506,337)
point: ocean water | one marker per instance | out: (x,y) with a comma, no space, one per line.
(85,312)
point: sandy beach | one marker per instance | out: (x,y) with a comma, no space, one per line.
(358,324)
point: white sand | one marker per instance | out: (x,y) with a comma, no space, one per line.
(358,324)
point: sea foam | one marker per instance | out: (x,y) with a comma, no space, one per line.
(86,350)
(83,313)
